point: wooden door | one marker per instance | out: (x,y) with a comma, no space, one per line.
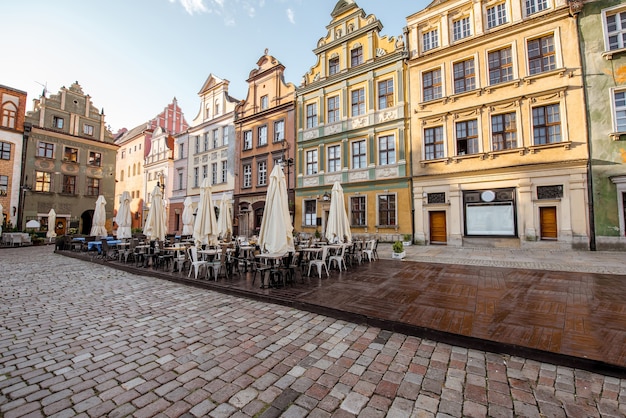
(438,233)
(59,228)
(547,220)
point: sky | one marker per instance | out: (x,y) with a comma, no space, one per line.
(134,56)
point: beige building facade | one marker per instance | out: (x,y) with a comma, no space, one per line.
(352,129)
(498,125)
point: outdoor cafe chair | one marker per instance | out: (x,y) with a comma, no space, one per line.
(369,250)
(339,258)
(320,263)
(196,263)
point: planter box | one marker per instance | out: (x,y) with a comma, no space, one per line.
(406,243)
(398,256)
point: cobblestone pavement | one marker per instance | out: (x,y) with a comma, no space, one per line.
(80,339)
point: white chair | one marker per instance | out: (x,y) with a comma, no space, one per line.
(320,263)
(368,251)
(196,263)
(339,258)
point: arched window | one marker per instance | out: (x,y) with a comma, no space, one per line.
(9,113)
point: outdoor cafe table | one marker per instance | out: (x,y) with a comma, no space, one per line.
(312,252)
(273,260)
(97,245)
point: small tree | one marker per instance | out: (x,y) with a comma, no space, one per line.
(398,247)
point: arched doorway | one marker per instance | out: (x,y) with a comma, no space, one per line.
(86,220)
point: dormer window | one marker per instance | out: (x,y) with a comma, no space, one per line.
(57,122)
(430,40)
(264,102)
(356,56)
(333,66)
(461,28)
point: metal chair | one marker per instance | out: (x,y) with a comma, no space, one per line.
(320,263)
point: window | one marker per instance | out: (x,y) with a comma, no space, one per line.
(356,56)
(262,131)
(57,122)
(264,102)
(359,154)
(496,15)
(70,154)
(534,6)
(500,66)
(95,159)
(88,129)
(196,177)
(503,131)
(546,124)
(461,28)
(206,141)
(9,115)
(181,179)
(387,150)
(279,130)
(334,158)
(431,85)
(616,30)
(358,102)
(357,211)
(311,115)
(4,187)
(5,151)
(385,94)
(225,138)
(213,173)
(467,137)
(205,171)
(433,143)
(247,175)
(181,150)
(93,187)
(262,173)
(45,150)
(619,106)
(216,138)
(541,55)
(224,171)
(43,181)
(464,76)
(310,213)
(69,185)
(247,140)
(387,210)
(333,109)
(311,162)
(197,144)
(333,66)
(430,40)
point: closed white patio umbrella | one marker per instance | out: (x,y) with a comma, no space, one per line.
(205,227)
(224,221)
(156,225)
(276,235)
(123,217)
(98,223)
(338,224)
(188,216)
(52,220)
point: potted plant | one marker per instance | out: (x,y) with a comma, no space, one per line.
(398,251)
(408,240)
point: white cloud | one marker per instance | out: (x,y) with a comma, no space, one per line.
(291,16)
(192,6)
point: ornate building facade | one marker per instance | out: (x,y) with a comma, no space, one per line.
(12,113)
(69,161)
(264,125)
(352,129)
(499,132)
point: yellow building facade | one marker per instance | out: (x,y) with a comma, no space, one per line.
(498,124)
(351,128)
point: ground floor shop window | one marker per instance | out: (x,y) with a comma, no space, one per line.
(490,212)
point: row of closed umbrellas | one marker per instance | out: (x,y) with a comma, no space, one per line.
(276,233)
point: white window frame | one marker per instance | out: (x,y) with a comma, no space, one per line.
(336,159)
(536,4)
(311,162)
(461,28)
(262,136)
(262,173)
(247,176)
(311,115)
(390,139)
(615,109)
(622,30)
(247,140)
(496,15)
(430,39)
